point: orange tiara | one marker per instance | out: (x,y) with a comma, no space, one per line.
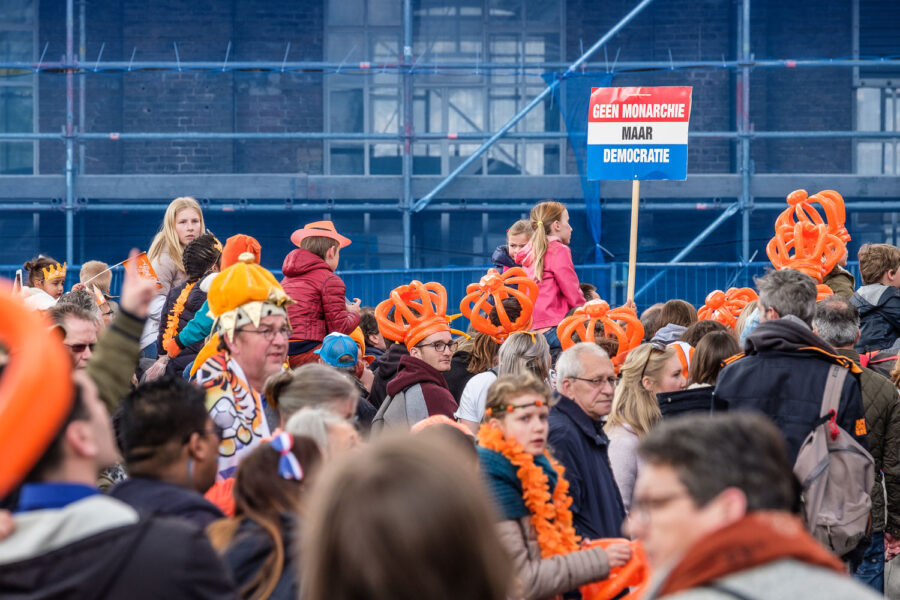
(494,286)
(815,250)
(584,320)
(54,272)
(725,307)
(801,208)
(420,309)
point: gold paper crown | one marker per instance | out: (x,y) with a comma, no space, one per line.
(54,272)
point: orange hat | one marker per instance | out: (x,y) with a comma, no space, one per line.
(419,311)
(439,420)
(725,307)
(244,292)
(237,245)
(498,287)
(319,229)
(584,320)
(360,340)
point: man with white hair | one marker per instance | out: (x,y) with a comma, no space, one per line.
(585,386)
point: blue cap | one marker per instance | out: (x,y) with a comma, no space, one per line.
(338,350)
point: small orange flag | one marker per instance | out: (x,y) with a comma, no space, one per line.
(144,268)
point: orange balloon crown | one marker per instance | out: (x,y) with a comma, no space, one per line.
(725,307)
(584,321)
(494,286)
(420,309)
(815,250)
(802,208)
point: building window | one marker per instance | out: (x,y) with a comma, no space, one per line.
(18,87)
(471,31)
(878,109)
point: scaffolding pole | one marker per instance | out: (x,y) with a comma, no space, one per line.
(407,94)
(744,127)
(70,132)
(423,202)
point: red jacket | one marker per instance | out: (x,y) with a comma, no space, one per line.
(321,306)
(438,398)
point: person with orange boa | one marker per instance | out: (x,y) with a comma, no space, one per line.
(714,506)
(532,495)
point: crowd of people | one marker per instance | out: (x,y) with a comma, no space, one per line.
(224,434)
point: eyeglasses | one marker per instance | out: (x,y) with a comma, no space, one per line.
(659,347)
(439,347)
(79,348)
(269,333)
(599,381)
(641,507)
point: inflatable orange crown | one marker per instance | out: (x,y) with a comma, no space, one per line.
(725,307)
(823,291)
(420,309)
(815,250)
(801,208)
(494,286)
(584,320)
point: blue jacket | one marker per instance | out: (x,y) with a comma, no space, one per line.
(580,446)
(783,376)
(879,316)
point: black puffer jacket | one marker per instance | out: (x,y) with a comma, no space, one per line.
(782,375)
(882,406)
(879,316)
(250,548)
(387,368)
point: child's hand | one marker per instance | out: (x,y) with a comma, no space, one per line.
(618,555)
(77,287)
(354,306)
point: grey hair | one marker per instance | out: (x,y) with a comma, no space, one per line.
(314,423)
(571,362)
(837,321)
(524,352)
(789,292)
(59,311)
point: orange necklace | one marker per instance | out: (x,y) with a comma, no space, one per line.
(175,314)
(550,515)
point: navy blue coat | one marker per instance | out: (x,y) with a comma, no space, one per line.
(579,444)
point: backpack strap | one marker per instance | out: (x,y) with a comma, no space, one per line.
(416,408)
(834,385)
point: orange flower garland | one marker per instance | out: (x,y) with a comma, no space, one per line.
(175,314)
(550,515)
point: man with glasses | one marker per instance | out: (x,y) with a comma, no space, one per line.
(715,506)
(248,308)
(585,385)
(80,327)
(420,381)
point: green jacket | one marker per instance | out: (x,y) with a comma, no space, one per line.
(116,358)
(841,282)
(882,407)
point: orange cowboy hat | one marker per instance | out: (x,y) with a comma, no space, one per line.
(319,229)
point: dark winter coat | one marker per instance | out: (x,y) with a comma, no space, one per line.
(581,446)
(782,375)
(250,548)
(387,368)
(502,260)
(320,296)
(458,375)
(882,406)
(841,282)
(412,370)
(103,549)
(195,300)
(151,496)
(879,316)
(693,400)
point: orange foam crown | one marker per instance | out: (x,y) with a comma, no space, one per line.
(584,320)
(514,283)
(420,309)
(726,307)
(815,250)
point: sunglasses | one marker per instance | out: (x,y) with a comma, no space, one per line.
(659,347)
(79,348)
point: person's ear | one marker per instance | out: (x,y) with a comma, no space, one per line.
(197,448)
(80,439)
(415,352)
(730,506)
(647,383)
(332,252)
(565,387)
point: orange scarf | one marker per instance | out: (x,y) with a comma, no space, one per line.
(550,515)
(757,539)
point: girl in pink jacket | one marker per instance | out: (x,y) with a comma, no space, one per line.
(548,260)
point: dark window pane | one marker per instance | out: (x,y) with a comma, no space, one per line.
(346,111)
(16,46)
(16,109)
(16,158)
(346,160)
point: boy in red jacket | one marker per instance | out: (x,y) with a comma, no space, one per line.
(321,307)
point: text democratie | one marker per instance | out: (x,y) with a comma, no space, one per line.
(637,111)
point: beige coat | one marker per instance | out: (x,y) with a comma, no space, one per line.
(538,578)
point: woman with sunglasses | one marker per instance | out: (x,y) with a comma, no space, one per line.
(531,494)
(650,369)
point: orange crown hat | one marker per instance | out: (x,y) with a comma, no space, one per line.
(244,293)
(815,251)
(725,307)
(360,340)
(25,378)
(319,229)
(54,272)
(493,285)
(584,320)
(420,309)
(237,245)
(823,291)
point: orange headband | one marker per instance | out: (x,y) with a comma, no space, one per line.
(725,307)
(584,320)
(498,287)
(419,311)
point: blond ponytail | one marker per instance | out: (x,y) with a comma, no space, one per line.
(542,217)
